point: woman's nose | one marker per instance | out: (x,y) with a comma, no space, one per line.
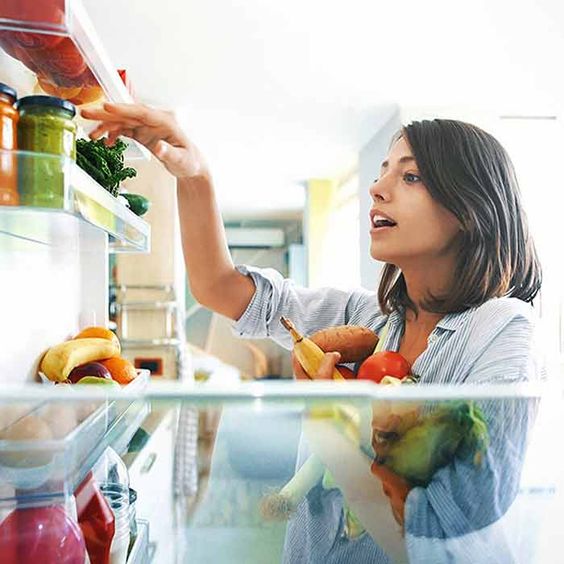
(378,190)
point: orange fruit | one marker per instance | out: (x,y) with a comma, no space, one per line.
(98,332)
(121,369)
(87,95)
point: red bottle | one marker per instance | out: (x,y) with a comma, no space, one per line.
(96,519)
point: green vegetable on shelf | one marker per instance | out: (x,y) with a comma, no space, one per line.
(138,204)
(103,163)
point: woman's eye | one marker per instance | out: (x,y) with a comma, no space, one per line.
(411,178)
(375,180)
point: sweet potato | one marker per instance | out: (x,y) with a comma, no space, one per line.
(355,343)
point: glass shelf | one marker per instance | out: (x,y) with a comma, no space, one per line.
(49,184)
(245,442)
(34,467)
(55,43)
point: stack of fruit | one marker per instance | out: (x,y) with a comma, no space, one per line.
(91,357)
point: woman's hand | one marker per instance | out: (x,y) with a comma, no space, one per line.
(325,371)
(156,129)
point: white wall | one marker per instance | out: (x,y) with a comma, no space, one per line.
(370,158)
(51,285)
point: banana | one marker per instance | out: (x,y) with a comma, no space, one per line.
(307,352)
(62,358)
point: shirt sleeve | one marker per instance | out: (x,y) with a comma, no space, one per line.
(309,309)
(461,508)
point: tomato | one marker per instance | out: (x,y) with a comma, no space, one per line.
(87,78)
(7,42)
(29,40)
(49,14)
(345,372)
(383,363)
(63,60)
(44,12)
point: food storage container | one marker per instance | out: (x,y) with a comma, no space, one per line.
(45,125)
(8,164)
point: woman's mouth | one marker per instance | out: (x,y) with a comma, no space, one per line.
(381,223)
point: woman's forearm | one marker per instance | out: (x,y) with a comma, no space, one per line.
(213,279)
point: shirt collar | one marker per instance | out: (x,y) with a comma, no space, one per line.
(452,321)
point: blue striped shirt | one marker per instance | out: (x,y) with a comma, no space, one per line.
(492,343)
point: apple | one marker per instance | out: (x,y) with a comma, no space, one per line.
(89,369)
(41,534)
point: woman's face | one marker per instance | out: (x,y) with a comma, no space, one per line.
(407,225)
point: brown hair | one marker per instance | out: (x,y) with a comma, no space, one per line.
(469,173)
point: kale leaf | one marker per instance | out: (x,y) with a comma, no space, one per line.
(104,163)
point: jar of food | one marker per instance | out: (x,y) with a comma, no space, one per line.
(45,126)
(8,142)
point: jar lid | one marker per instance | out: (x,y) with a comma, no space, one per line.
(8,90)
(51,101)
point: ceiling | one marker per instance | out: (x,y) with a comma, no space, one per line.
(278,92)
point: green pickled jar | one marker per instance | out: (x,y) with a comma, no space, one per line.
(45,126)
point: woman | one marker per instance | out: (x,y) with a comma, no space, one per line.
(461,272)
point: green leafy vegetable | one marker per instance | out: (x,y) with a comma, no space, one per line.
(103,163)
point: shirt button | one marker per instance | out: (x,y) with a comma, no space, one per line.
(432,338)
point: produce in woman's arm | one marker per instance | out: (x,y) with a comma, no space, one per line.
(352,342)
(309,355)
(281,505)
(453,430)
(382,364)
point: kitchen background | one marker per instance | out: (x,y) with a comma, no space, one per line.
(294,103)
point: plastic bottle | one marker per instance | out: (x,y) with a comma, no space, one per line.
(111,469)
(119,503)
(113,478)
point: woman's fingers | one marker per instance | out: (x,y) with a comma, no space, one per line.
(327,366)
(155,129)
(99,114)
(325,371)
(299,372)
(174,159)
(137,113)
